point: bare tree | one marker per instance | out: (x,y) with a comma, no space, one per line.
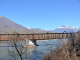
(18,51)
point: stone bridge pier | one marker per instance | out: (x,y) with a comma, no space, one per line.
(29,43)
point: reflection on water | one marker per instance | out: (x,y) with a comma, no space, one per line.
(33,53)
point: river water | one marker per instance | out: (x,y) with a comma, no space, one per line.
(33,53)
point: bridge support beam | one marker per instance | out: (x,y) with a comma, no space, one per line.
(30,43)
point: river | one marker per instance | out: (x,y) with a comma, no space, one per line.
(33,53)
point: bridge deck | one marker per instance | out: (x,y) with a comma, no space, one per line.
(37,36)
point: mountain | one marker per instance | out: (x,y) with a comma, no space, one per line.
(7,25)
(65,28)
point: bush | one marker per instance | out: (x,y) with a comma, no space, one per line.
(69,51)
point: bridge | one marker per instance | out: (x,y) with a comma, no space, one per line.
(30,39)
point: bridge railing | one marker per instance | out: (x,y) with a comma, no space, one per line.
(38,36)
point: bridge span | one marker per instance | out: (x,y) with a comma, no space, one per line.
(30,39)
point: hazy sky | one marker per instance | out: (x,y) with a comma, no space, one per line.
(45,14)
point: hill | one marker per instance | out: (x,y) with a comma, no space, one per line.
(7,25)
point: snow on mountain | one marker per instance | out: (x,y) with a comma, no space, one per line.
(65,28)
(28,28)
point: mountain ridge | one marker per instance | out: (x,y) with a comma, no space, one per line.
(7,25)
(65,28)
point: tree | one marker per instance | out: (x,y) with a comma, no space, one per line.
(18,52)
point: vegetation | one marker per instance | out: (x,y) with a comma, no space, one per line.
(69,51)
(18,52)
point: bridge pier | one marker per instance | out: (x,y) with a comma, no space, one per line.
(29,43)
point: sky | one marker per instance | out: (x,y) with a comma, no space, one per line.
(44,14)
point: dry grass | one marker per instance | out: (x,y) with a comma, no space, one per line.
(69,51)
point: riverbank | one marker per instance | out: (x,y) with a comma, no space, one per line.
(69,51)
